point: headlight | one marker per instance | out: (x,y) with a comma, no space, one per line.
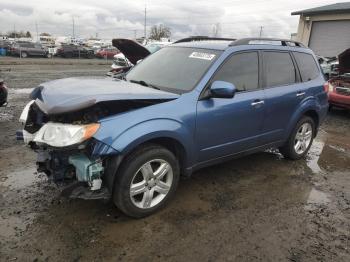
(60,135)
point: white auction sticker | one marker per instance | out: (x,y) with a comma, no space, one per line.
(200,55)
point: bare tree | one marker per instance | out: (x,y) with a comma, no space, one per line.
(14,34)
(160,31)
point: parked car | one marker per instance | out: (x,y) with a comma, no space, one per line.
(156,46)
(70,51)
(339,86)
(108,53)
(131,53)
(185,107)
(26,49)
(3,93)
(329,66)
(120,66)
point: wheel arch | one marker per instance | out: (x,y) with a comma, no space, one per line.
(113,162)
(314,115)
(310,109)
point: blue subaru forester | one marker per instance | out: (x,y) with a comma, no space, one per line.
(187,106)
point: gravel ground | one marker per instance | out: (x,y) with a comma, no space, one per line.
(272,210)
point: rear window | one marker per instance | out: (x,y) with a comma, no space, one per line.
(279,69)
(307,66)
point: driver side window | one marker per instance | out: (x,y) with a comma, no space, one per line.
(242,70)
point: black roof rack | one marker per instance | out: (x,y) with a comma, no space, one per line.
(202,38)
(266,41)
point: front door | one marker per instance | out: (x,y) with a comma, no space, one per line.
(227,126)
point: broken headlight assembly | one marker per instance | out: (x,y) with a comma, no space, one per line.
(61,135)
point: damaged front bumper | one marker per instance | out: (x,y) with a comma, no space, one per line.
(79,169)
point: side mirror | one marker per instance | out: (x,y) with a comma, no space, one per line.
(222,89)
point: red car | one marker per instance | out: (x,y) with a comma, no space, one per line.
(108,53)
(339,86)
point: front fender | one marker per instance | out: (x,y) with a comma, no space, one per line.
(142,132)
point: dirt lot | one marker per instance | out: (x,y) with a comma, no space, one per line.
(258,208)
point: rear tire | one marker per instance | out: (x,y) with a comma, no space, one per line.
(300,140)
(146,181)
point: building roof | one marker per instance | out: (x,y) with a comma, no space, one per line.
(333,8)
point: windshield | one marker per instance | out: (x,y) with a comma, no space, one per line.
(176,69)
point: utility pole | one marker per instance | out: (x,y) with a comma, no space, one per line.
(261,29)
(37,32)
(145,30)
(135,33)
(73,28)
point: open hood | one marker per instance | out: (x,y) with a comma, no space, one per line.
(132,50)
(344,62)
(74,94)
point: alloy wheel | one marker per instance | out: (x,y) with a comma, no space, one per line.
(151,183)
(303,138)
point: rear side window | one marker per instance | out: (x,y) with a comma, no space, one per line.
(307,66)
(279,69)
(242,70)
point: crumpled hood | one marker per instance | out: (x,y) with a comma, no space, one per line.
(73,94)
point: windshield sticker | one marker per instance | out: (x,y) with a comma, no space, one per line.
(200,55)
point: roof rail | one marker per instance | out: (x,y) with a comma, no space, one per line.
(202,38)
(266,41)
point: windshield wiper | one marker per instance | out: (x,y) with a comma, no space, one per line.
(143,83)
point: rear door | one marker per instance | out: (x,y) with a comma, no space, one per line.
(283,93)
(227,126)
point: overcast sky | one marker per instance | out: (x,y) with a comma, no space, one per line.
(113,18)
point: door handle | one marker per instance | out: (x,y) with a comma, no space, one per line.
(258,102)
(300,94)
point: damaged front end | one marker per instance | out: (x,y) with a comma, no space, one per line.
(67,152)
(60,123)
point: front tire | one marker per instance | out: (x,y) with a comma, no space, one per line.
(300,139)
(146,181)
